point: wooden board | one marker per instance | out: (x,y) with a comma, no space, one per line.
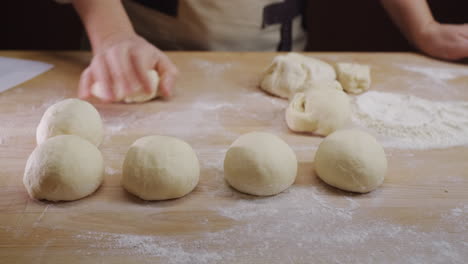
(419,215)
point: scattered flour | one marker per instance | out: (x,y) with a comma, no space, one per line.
(111,171)
(319,226)
(210,68)
(410,122)
(436,73)
(203,114)
(116,123)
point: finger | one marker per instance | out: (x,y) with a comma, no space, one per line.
(122,76)
(141,63)
(459,49)
(101,74)
(86,81)
(463,49)
(168,72)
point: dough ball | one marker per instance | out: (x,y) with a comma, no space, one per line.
(138,97)
(351,160)
(71,117)
(63,168)
(320,111)
(260,164)
(291,73)
(160,168)
(355,78)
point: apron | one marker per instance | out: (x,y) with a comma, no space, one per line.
(220,25)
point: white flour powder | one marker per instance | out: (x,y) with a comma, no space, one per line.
(410,122)
(296,226)
(211,69)
(436,73)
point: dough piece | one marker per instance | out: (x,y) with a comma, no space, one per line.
(260,164)
(291,73)
(160,168)
(321,84)
(139,97)
(355,78)
(351,160)
(63,168)
(71,117)
(320,111)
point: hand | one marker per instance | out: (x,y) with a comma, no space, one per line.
(121,64)
(444,41)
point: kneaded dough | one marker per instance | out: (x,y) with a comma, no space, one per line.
(139,97)
(355,78)
(71,117)
(322,84)
(320,111)
(351,160)
(63,168)
(261,164)
(292,73)
(160,168)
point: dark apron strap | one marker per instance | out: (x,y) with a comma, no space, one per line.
(169,8)
(283,13)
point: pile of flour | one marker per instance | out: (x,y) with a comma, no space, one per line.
(406,121)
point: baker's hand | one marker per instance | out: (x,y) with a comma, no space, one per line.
(444,41)
(121,65)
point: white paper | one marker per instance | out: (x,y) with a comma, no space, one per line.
(16,71)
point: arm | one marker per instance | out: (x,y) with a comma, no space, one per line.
(102,20)
(415,20)
(121,58)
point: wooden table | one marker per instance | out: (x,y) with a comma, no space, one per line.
(419,215)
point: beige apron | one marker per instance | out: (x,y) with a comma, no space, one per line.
(237,25)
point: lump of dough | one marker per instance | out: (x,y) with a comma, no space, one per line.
(160,168)
(322,84)
(355,78)
(71,117)
(63,168)
(291,73)
(260,164)
(320,111)
(351,160)
(138,97)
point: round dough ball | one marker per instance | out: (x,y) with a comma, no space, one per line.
(351,160)
(292,73)
(138,97)
(160,168)
(320,111)
(63,168)
(260,164)
(71,117)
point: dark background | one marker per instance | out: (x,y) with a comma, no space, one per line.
(336,25)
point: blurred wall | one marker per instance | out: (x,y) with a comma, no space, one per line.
(334,25)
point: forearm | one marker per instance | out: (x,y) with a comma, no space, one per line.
(103,19)
(411,16)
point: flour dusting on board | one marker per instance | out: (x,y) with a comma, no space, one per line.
(436,73)
(314,223)
(303,222)
(410,122)
(210,68)
(111,171)
(204,114)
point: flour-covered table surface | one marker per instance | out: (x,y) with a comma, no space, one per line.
(417,107)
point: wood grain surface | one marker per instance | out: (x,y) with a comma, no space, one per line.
(419,214)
